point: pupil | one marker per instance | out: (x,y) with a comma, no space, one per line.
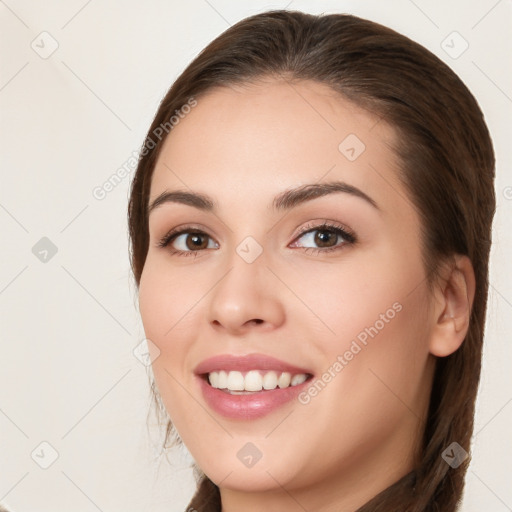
(194,241)
(322,238)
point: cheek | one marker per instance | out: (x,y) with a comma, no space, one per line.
(367,292)
(167,307)
(166,302)
(374,381)
(374,366)
(372,320)
(386,311)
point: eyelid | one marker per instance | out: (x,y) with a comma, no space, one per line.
(326,224)
(181,229)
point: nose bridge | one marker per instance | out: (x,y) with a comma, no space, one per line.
(242,284)
(244,294)
(247,260)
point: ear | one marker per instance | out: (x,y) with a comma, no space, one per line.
(454,299)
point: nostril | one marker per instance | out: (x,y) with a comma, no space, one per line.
(254,321)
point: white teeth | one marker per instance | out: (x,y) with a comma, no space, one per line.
(298,379)
(254,380)
(214,379)
(223,379)
(235,381)
(284,380)
(270,380)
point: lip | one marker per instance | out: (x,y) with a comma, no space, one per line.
(246,363)
(254,405)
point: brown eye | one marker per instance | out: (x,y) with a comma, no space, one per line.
(187,242)
(195,241)
(325,238)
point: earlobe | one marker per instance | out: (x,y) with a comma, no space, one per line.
(454,304)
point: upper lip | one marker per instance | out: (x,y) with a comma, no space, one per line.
(245,363)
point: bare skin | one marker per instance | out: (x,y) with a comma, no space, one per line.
(297,301)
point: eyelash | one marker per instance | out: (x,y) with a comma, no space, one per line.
(348,236)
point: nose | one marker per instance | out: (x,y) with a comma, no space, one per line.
(246,298)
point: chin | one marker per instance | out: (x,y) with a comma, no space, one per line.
(236,478)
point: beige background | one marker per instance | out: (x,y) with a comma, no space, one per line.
(69,324)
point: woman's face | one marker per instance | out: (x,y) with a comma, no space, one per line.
(300,259)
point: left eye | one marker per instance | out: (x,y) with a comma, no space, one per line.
(322,237)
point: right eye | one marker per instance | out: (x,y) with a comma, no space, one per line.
(185,242)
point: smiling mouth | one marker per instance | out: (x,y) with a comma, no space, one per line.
(253,381)
(248,387)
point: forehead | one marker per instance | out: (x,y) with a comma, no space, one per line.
(259,139)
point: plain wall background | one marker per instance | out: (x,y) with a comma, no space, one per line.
(69,325)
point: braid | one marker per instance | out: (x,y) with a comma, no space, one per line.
(206,498)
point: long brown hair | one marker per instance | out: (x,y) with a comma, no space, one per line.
(447,167)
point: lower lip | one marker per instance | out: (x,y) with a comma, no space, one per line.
(251,406)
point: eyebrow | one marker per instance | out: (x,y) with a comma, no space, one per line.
(283,201)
